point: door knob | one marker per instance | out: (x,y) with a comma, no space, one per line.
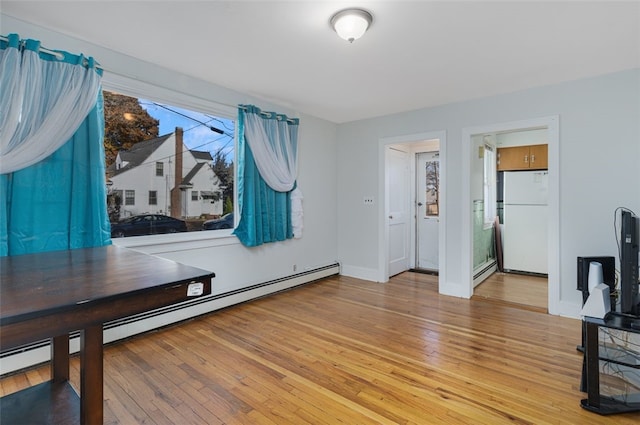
(419,204)
(390,216)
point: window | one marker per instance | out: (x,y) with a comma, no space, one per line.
(489,184)
(433,187)
(168,149)
(129,197)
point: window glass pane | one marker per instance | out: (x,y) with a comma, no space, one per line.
(182,158)
(490,175)
(433,184)
(129,197)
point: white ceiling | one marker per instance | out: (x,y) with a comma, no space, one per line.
(416,54)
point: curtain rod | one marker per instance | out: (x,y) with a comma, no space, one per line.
(270,114)
(57,55)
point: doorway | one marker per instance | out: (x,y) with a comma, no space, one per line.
(392,247)
(510,214)
(548,127)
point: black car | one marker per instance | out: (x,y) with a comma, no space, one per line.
(224,222)
(147,224)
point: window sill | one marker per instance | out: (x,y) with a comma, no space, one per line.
(174,242)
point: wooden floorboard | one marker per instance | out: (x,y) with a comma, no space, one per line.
(526,291)
(347,351)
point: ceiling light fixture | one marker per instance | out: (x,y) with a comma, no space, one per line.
(351,24)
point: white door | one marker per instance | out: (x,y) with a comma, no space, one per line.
(427,210)
(397,209)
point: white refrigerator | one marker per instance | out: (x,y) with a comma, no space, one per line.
(525,221)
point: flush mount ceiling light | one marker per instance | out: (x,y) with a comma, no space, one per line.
(351,24)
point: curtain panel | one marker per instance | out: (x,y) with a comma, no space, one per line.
(44,96)
(267,169)
(52,180)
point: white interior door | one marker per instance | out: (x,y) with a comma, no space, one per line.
(397,209)
(427,210)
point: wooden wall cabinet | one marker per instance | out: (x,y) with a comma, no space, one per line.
(533,157)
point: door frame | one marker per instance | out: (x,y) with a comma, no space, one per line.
(383,234)
(552,123)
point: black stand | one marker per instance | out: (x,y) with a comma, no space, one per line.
(591,366)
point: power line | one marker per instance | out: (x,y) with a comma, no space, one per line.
(224,124)
(210,127)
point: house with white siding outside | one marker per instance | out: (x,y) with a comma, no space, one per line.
(162,176)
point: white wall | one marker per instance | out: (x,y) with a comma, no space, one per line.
(599,157)
(522,138)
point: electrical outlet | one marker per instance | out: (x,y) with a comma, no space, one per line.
(368,200)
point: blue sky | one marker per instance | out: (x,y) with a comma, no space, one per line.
(197,134)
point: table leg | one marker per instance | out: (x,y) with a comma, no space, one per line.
(593,365)
(91,375)
(60,358)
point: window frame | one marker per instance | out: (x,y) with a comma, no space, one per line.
(142,89)
(154,197)
(489,186)
(159,169)
(129,194)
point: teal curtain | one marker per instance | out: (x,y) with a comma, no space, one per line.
(265,214)
(60,202)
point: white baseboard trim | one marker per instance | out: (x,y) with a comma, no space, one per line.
(360,273)
(40,352)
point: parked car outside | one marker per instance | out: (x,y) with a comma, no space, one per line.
(224,222)
(147,224)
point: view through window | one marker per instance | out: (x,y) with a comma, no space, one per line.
(169,169)
(432,187)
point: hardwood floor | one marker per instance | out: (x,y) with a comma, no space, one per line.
(524,290)
(346,351)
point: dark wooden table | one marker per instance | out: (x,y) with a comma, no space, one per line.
(48,295)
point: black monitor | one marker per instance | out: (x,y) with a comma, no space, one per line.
(629,285)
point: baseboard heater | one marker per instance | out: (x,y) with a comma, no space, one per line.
(483,273)
(488,266)
(39,352)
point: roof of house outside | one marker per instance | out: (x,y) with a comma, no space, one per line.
(193,172)
(137,154)
(202,155)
